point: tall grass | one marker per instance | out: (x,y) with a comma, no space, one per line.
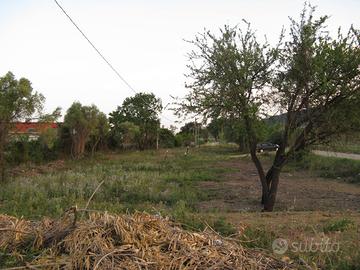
(329,167)
(135,180)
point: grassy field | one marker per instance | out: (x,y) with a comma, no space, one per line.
(346,170)
(152,181)
(345,144)
(211,186)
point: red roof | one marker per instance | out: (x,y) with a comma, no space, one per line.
(32,127)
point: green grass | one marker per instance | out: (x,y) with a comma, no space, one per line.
(329,167)
(167,184)
(340,225)
(148,180)
(257,237)
(305,238)
(347,144)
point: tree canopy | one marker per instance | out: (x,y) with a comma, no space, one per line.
(18,102)
(142,110)
(84,122)
(309,76)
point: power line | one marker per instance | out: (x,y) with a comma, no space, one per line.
(99,53)
(92,45)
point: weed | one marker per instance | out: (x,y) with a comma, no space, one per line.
(339,225)
(337,168)
(223,227)
(257,238)
(133,180)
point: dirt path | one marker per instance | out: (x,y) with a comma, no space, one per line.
(336,154)
(240,191)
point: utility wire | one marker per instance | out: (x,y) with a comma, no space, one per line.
(92,45)
(100,54)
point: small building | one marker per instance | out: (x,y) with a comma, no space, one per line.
(32,130)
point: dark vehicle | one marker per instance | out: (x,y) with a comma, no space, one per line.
(261,147)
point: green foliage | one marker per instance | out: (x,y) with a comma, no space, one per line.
(235,131)
(337,168)
(260,238)
(166,138)
(186,218)
(346,143)
(85,123)
(338,225)
(311,77)
(23,150)
(126,135)
(223,227)
(99,135)
(184,139)
(192,133)
(215,128)
(49,137)
(143,111)
(18,101)
(318,85)
(190,221)
(135,180)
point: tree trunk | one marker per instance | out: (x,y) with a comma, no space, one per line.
(252,145)
(93,149)
(260,170)
(270,198)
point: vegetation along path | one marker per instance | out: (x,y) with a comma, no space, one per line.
(336,154)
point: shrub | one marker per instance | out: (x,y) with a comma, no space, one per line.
(338,225)
(24,150)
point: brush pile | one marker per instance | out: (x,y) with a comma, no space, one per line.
(138,241)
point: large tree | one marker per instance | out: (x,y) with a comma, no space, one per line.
(311,77)
(82,123)
(126,135)
(143,110)
(99,135)
(18,102)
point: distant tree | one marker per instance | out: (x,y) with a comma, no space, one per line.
(173,129)
(99,134)
(82,122)
(166,138)
(216,128)
(312,78)
(188,128)
(142,110)
(186,135)
(49,137)
(18,101)
(126,135)
(192,133)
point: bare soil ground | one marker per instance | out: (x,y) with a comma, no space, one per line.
(240,191)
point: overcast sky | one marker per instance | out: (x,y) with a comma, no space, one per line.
(143,39)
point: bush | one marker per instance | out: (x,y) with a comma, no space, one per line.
(24,150)
(166,138)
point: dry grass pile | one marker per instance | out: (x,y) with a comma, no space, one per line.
(138,241)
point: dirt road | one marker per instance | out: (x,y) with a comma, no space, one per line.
(336,154)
